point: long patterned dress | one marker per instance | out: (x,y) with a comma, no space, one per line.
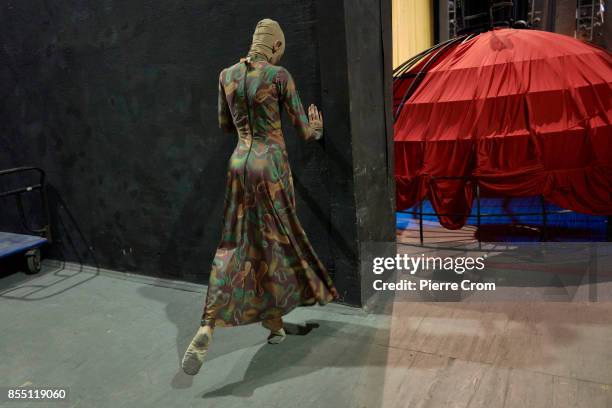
(264,266)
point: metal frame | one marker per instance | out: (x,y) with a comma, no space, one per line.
(544,213)
(45,231)
(402,70)
(588,19)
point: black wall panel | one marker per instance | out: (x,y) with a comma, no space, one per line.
(116,100)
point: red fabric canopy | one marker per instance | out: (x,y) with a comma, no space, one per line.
(523,112)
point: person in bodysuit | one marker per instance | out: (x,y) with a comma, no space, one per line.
(264,266)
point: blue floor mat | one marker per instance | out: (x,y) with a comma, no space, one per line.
(567,226)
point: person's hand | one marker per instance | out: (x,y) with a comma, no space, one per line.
(315,117)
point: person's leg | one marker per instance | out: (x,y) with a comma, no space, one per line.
(277,333)
(197,350)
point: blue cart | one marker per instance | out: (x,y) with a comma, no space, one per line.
(29,244)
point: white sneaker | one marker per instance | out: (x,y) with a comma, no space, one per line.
(277,337)
(197,350)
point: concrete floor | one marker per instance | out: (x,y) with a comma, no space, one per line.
(117,340)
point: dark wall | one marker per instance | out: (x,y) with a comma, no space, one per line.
(370,83)
(116,100)
(338,144)
(355,65)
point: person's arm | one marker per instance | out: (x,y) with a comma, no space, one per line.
(226,122)
(290,100)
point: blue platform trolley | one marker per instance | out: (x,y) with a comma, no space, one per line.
(28,244)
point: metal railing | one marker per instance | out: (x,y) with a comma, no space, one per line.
(544,213)
(40,186)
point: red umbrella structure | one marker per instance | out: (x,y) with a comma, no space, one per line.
(516,112)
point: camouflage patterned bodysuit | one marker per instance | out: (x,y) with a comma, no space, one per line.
(264,266)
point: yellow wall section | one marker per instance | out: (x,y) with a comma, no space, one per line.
(412,28)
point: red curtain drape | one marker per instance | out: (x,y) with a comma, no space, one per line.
(522,112)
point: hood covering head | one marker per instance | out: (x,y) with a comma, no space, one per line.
(267,32)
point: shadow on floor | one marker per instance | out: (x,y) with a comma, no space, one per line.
(54,279)
(309,347)
(325,345)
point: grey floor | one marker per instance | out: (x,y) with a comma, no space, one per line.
(116,340)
